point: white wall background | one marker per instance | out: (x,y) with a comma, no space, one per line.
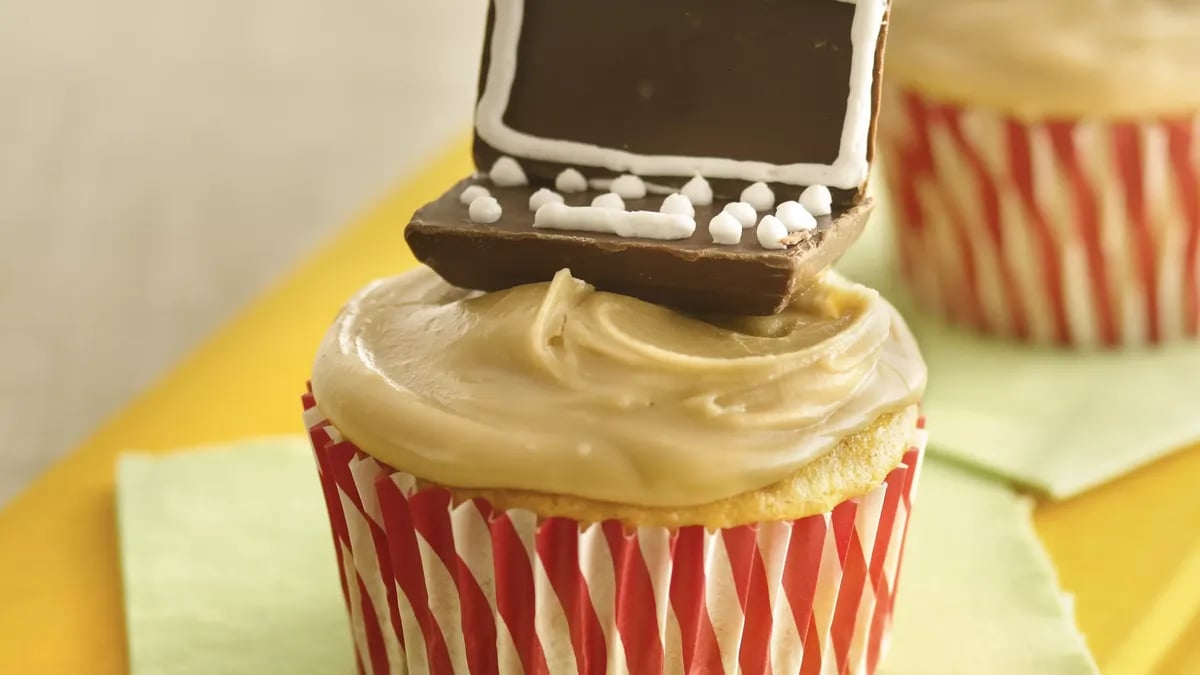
(162,161)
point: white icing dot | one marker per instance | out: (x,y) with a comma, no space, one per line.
(629,186)
(794,217)
(725,229)
(745,214)
(471,193)
(609,200)
(678,203)
(698,190)
(485,210)
(542,197)
(771,233)
(816,200)
(570,180)
(507,173)
(760,196)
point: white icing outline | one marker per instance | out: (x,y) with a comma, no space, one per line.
(848,171)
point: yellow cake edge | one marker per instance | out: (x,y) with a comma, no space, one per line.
(854,467)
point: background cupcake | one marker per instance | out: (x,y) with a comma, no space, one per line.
(1042,163)
(553,479)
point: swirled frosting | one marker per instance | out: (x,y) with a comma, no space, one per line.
(1033,58)
(558,388)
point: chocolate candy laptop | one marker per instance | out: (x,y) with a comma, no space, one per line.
(632,142)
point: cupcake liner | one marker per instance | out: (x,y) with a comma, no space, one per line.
(434,586)
(1078,232)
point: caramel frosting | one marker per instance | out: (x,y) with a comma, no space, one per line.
(1047,58)
(559,388)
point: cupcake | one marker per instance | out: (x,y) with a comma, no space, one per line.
(1042,161)
(552,478)
(658,436)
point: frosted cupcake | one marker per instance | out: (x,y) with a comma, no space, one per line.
(555,479)
(1043,165)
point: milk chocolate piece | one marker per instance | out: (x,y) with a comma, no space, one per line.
(659,88)
(692,274)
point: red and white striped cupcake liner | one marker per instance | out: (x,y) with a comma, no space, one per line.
(435,586)
(1077,232)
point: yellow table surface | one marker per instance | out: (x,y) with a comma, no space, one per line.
(1130,552)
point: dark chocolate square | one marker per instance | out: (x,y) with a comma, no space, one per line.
(663,88)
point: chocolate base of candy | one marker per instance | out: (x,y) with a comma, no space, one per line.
(692,274)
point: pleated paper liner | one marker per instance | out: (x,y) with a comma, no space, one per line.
(444,588)
(1080,232)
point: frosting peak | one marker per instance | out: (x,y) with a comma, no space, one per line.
(559,388)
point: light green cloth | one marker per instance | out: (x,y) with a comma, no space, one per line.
(229,570)
(228,564)
(1060,422)
(978,594)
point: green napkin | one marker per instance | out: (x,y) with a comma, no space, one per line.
(978,594)
(228,564)
(1060,422)
(229,569)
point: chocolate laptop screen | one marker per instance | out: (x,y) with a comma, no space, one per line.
(780,91)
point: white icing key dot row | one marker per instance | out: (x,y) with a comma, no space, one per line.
(676,215)
(506,172)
